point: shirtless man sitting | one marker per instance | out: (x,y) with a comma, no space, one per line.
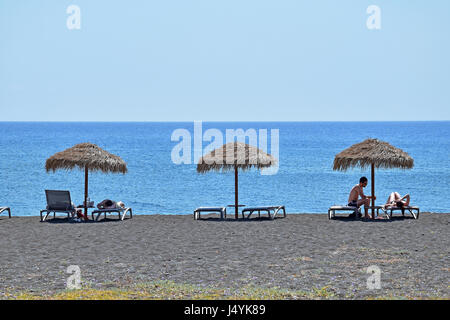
(356,192)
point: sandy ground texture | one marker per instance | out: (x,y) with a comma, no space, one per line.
(300,252)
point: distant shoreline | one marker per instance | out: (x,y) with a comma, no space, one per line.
(230,215)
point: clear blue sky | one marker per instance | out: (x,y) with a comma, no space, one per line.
(224,60)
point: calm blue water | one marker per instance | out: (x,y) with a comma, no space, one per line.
(305,181)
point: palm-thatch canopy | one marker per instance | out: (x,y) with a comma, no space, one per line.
(86,155)
(372,152)
(235,155)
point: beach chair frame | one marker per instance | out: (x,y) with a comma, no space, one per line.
(3,209)
(266,209)
(332,210)
(414,211)
(221,210)
(122,212)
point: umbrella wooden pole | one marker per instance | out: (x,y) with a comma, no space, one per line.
(236,192)
(86,174)
(373,190)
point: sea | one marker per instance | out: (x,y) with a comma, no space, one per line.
(161,158)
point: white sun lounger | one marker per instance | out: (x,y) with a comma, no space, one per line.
(268,210)
(332,210)
(122,212)
(221,210)
(414,211)
(2,209)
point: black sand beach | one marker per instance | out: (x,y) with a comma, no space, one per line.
(300,252)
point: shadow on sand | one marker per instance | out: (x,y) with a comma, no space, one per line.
(90,221)
(376,220)
(252,219)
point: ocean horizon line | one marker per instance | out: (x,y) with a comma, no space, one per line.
(231,121)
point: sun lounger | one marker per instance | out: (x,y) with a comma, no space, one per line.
(2,209)
(58,201)
(414,211)
(332,210)
(221,210)
(122,212)
(268,210)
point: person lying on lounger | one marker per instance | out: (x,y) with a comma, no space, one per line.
(395,200)
(109,204)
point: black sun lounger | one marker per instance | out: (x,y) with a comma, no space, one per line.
(58,201)
(268,210)
(221,210)
(2,209)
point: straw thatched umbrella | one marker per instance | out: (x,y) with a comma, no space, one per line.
(234,156)
(87,157)
(375,154)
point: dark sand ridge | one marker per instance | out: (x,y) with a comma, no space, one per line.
(300,252)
